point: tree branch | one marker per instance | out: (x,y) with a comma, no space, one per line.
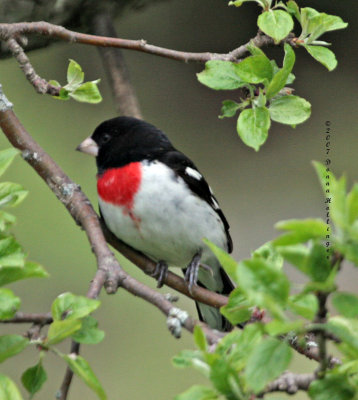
(125,100)
(289,383)
(34,318)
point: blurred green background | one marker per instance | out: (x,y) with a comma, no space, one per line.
(255,190)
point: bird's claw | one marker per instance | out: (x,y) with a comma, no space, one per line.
(192,271)
(160,273)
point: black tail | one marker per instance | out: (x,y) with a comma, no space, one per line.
(212,315)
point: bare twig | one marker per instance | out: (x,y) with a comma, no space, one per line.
(125,100)
(34,318)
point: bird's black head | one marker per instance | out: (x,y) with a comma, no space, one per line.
(119,141)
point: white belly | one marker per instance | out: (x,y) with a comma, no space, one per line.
(167,221)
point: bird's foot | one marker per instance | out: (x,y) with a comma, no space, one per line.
(192,271)
(160,273)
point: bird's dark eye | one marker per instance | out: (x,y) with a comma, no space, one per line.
(106,138)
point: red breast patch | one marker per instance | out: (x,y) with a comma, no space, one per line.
(119,185)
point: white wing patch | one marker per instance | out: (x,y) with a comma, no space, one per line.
(193,173)
(215,203)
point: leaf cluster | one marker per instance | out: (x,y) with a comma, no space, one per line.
(268,96)
(246,361)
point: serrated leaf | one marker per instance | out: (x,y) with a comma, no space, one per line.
(29,270)
(11,194)
(346,304)
(290,110)
(71,306)
(238,309)
(276,24)
(279,80)
(253,125)
(270,358)
(75,75)
(200,339)
(220,75)
(10,345)
(89,332)
(8,389)
(229,109)
(87,93)
(334,386)
(198,392)
(6,158)
(33,379)
(254,69)
(60,330)
(83,370)
(9,304)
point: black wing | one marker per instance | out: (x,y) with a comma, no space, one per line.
(187,170)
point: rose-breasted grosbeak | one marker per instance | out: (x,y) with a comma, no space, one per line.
(152,197)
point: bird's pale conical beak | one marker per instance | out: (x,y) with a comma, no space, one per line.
(88,146)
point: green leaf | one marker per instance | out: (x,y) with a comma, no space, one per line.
(11,254)
(279,80)
(10,345)
(323,55)
(29,270)
(237,309)
(229,109)
(9,304)
(346,330)
(87,93)
(293,9)
(276,327)
(226,261)
(220,75)
(64,94)
(276,24)
(83,370)
(33,378)
(89,333)
(11,194)
(333,386)
(290,110)
(238,3)
(270,358)
(200,339)
(54,83)
(346,304)
(270,254)
(223,377)
(6,157)
(194,359)
(6,220)
(257,277)
(8,389)
(75,75)
(352,204)
(60,330)
(253,125)
(198,392)
(305,305)
(71,306)
(300,231)
(254,69)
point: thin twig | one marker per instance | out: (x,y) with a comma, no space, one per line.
(125,100)
(34,318)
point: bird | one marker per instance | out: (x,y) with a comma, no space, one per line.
(153,198)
